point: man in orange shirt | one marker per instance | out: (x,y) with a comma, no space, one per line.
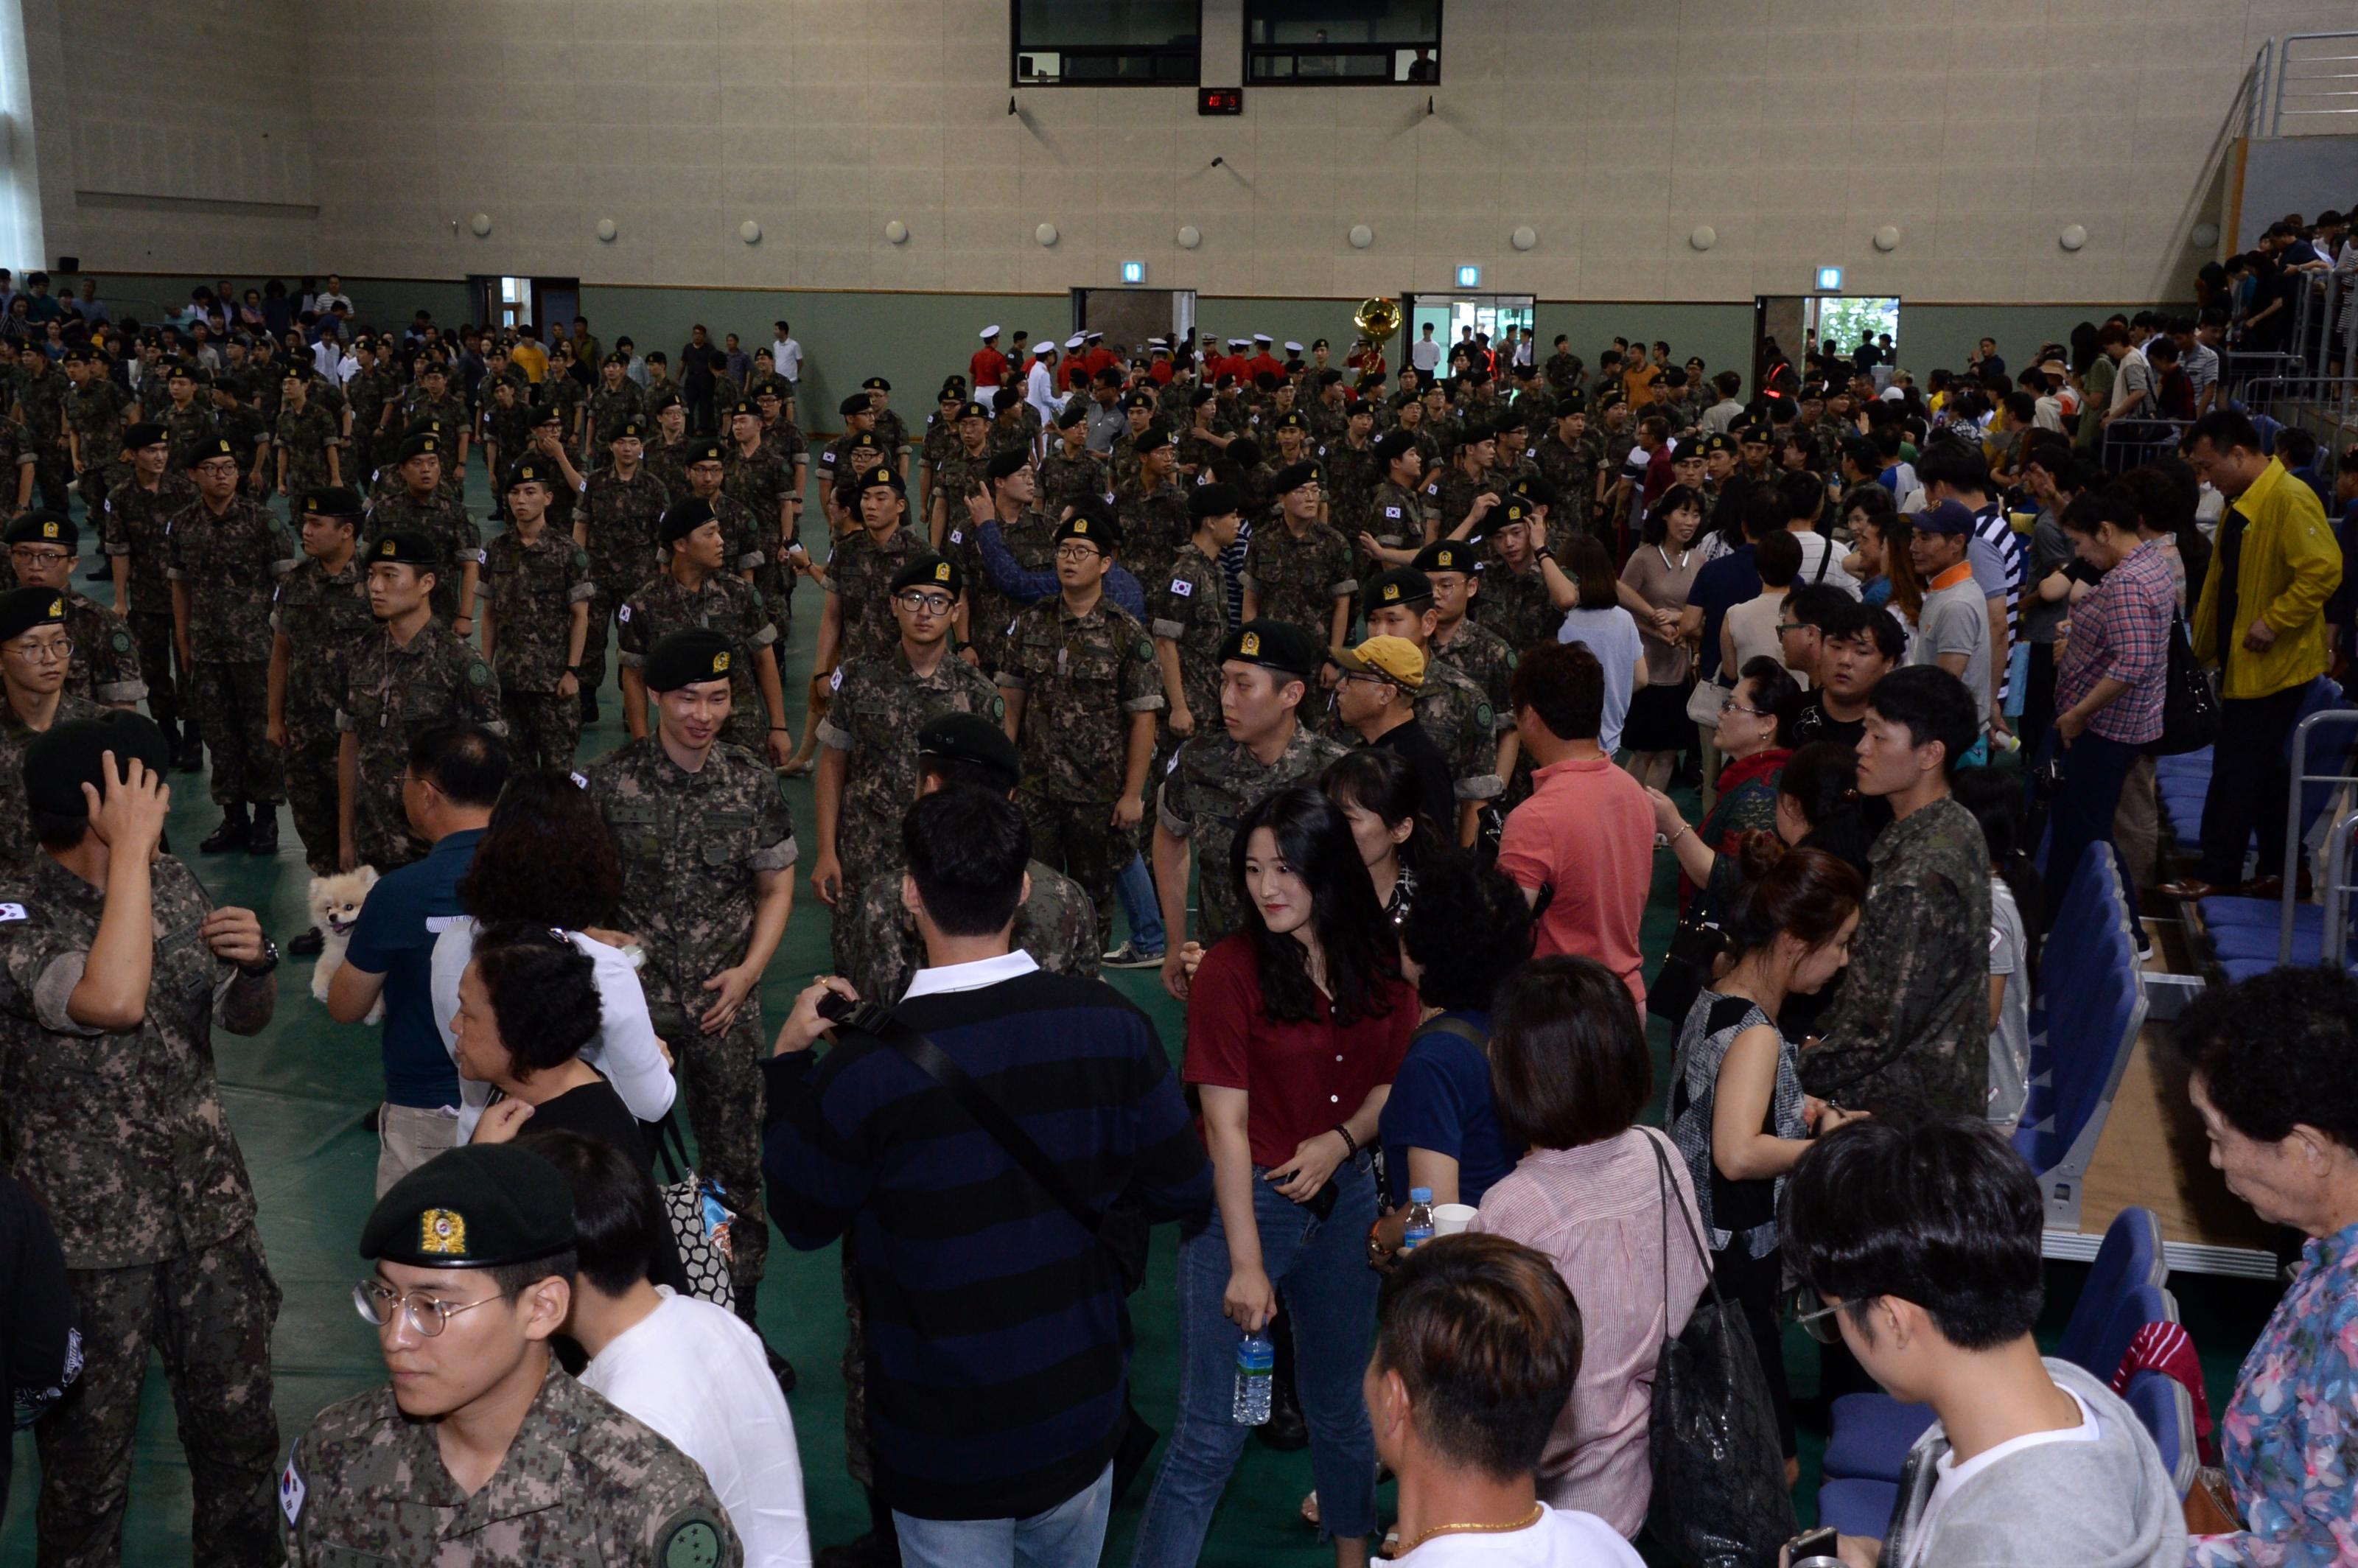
(1637,379)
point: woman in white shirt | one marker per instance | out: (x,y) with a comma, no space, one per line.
(1602,626)
(545,858)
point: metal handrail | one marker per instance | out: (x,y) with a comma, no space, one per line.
(2293,835)
(2340,881)
(2285,77)
(2258,78)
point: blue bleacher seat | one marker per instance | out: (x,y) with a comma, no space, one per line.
(1871,1436)
(2143,1304)
(2162,1402)
(2085,1019)
(1858,1508)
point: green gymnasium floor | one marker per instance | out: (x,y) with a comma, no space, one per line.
(298,1095)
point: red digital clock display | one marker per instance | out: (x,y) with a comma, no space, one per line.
(1219,100)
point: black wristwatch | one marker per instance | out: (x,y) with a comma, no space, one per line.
(269,961)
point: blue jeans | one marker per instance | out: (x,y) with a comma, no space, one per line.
(1320,1266)
(1139,907)
(1070,1535)
(2086,797)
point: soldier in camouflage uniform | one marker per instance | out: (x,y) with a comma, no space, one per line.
(507,430)
(667,443)
(319,614)
(758,478)
(957,476)
(892,431)
(1456,711)
(1121,459)
(785,437)
(139,513)
(95,410)
(858,622)
(1187,610)
(20,464)
(867,774)
(1203,442)
(1152,508)
(1298,569)
(41,547)
(41,389)
(617,401)
(1055,922)
(1450,495)
(1268,669)
(1353,471)
(220,553)
(34,649)
(1070,473)
(406,676)
(745,545)
(692,590)
(1472,650)
(941,436)
(1518,599)
(579,1481)
(1395,528)
(240,425)
(535,617)
(188,419)
(1082,692)
(620,509)
(306,439)
(1011,429)
(707,849)
(369,397)
(433,399)
(1567,457)
(113,1122)
(422,505)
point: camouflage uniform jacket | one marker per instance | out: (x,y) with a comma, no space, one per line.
(228,562)
(243,428)
(728,605)
(1910,1031)
(667,462)
(533,590)
(1154,524)
(1449,496)
(880,705)
(1457,714)
(387,695)
(1008,434)
(748,539)
(860,574)
(18,848)
(304,435)
(1197,455)
(1056,923)
(94,412)
(1188,605)
(609,406)
(136,524)
(1483,654)
(366,394)
(1213,781)
(693,845)
(892,433)
(323,616)
(105,665)
(1516,606)
(617,521)
(1351,471)
(509,430)
(1065,479)
(121,1137)
(1299,578)
(849,455)
(41,401)
(1082,676)
(761,484)
(941,440)
(441,519)
(186,428)
(1572,469)
(581,1484)
(786,438)
(1031,538)
(1396,516)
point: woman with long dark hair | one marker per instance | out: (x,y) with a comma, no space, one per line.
(1655,582)
(1296,1023)
(1380,798)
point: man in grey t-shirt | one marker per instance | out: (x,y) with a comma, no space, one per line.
(1952,628)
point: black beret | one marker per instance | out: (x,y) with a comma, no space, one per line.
(953,391)
(1201,396)
(1446,556)
(856,404)
(66,756)
(930,572)
(685,657)
(1330,376)
(1393,445)
(532,471)
(1293,420)
(22,608)
(1154,438)
(1511,420)
(664,400)
(705,451)
(209,449)
(1098,530)
(879,476)
(1274,644)
(973,411)
(1007,463)
(970,738)
(1718,441)
(631,430)
(876,384)
(1139,400)
(333,500)
(1215,500)
(482,1205)
(44,527)
(685,517)
(407,547)
(550,414)
(1474,432)
(1399,585)
(181,370)
(1569,403)
(1073,412)
(1293,476)
(1535,489)
(423,444)
(1516,510)
(146,433)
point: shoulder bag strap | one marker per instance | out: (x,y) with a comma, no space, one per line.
(1656,1140)
(1457,1026)
(939,1066)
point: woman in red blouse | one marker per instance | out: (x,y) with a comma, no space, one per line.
(1295,1023)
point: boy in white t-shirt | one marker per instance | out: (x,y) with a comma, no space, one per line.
(690,1369)
(1477,1342)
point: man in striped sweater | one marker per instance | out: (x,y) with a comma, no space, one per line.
(996,1331)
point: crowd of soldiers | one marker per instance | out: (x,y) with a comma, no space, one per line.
(1133,575)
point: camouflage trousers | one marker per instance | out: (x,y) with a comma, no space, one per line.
(311,759)
(245,765)
(208,1316)
(720,1079)
(170,692)
(858,1461)
(1078,839)
(544,729)
(608,598)
(53,474)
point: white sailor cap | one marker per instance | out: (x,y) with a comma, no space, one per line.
(1157,343)
(1076,340)
(990,332)
(1239,342)
(1096,337)
(1293,348)
(1263,338)
(1042,349)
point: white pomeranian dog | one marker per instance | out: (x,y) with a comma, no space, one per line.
(335,907)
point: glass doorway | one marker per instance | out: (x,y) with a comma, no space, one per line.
(1805,338)
(1459,319)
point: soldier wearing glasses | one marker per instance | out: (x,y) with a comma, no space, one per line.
(105,656)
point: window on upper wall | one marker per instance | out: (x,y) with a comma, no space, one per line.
(1108,43)
(1341,43)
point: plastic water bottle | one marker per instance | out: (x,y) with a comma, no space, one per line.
(1417,1228)
(1255,1364)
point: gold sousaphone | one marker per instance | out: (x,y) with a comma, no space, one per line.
(1379,318)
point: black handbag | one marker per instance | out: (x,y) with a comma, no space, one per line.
(1687,968)
(1720,1498)
(2190,708)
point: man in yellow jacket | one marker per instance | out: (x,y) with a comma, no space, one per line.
(2261,621)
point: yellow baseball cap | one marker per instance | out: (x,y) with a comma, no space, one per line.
(1395,659)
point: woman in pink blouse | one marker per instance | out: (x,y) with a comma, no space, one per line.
(1569,1063)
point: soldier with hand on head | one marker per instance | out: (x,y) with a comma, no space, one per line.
(536,619)
(35,646)
(481,1449)
(114,969)
(318,615)
(694,591)
(41,548)
(707,849)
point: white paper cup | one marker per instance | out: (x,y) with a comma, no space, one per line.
(1451,1218)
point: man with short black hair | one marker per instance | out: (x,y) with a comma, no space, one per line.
(1857,646)
(694,590)
(1910,1030)
(1921,1243)
(1019,1467)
